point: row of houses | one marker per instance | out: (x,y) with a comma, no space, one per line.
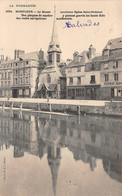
(86,76)
(96,77)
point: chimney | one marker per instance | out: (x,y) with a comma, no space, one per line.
(2,57)
(76,56)
(7,58)
(41,54)
(18,53)
(92,52)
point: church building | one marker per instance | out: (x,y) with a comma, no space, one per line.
(52,80)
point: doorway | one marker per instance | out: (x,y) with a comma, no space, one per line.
(15,93)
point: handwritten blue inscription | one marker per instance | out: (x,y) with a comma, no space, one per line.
(89,23)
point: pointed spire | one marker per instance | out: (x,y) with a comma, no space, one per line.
(54,166)
(54,44)
(54,163)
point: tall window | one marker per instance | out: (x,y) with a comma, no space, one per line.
(78,92)
(26,80)
(2,76)
(71,80)
(92,79)
(78,80)
(116,65)
(5,83)
(116,77)
(106,77)
(5,75)
(58,57)
(9,75)
(79,68)
(20,80)
(50,58)
(93,66)
(1,83)
(48,78)
(8,83)
(15,80)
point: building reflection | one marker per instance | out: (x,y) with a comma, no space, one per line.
(89,139)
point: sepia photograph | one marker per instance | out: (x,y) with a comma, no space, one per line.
(60,98)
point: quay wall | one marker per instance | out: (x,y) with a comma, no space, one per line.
(110,108)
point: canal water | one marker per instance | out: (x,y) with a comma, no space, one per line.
(51,155)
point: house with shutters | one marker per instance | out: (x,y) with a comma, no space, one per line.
(111,70)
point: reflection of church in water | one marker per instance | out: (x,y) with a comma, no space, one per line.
(88,139)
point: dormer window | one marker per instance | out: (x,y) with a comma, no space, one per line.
(57,46)
(51,46)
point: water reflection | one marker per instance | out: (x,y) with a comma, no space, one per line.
(88,138)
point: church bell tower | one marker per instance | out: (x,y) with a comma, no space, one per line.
(54,51)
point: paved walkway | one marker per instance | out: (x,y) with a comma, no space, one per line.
(58,101)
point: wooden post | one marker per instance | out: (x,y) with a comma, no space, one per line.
(11,113)
(38,106)
(11,105)
(50,117)
(78,119)
(78,109)
(21,105)
(20,114)
(50,107)
(3,106)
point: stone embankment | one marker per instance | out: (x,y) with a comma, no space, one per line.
(78,107)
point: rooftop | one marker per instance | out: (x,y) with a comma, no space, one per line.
(114,44)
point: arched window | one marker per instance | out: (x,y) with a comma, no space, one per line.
(48,78)
(50,58)
(58,57)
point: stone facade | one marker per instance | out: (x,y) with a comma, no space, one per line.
(111,70)
(99,77)
(19,77)
(83,75)
(6,77)
(75,74)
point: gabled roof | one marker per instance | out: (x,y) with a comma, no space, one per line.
(83,59)
(114,44)
(31,55)
(49,87)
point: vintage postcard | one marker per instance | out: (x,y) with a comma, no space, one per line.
(60,98)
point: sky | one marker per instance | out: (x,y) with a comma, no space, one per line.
(31,35)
